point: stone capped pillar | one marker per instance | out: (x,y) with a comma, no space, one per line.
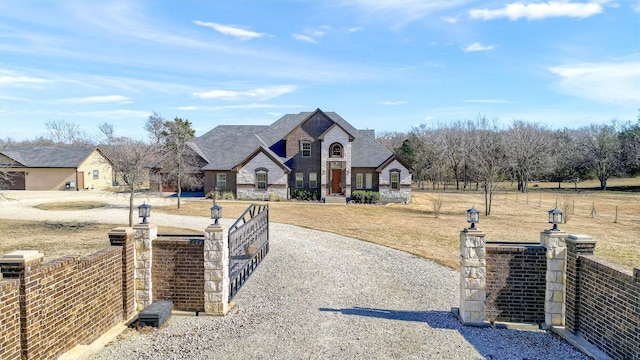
(216,270)
(144,236)
(473,274)
(554,303)
(26,266)
(577,245)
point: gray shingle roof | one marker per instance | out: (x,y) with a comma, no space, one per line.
(226,146)
(48,156)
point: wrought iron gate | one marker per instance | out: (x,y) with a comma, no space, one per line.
(248,245)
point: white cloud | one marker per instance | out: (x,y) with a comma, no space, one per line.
(305,38)
(98,99)
(476,46)
(401,12)
(601,82)
(187,108)
(537,11)
(259,94)
(232,31)
(449,19)
(392,103)
(354,29)
(9,78)
(636,6)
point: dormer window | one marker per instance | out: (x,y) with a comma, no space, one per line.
(335,151)
(305,148)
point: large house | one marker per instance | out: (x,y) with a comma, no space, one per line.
(310,150)
(55,168)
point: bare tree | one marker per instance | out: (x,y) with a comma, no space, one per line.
(107,130)
(67,133)
(529,146)
(567,162)
(601,146)
(452,141)
(488,158)
(155,127)
(391,139)
(130,160)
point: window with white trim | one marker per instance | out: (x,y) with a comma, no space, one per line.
(358,181)
(96,174)
(394,179)
(305,148)
(313,180)
(369,182)
(221,181)
(261,180)
(299,180)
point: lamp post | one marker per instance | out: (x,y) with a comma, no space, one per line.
(144,211)
(555,218)
(473,217)
(216,212)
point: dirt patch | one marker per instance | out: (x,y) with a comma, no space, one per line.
(72,205)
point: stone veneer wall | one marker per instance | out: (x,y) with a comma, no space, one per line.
(178,272)
(66,302)
(609,307)
(515,283)
(9,319)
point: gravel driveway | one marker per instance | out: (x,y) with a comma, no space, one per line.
(324,296)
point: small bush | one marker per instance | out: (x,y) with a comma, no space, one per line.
(228,195)
(306,194)
(365,197)
(274,197)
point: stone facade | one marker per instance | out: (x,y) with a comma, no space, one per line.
(246,179)
(554,306)
(472,277)
(216,270)
(144,236)
(386,192)
(333,136)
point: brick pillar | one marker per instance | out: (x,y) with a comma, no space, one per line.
(576,245)
(554,303)
(473,274)
(216,270)
(144,236)
(124,237)
(26,265)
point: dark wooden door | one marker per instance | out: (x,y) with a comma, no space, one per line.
(80,182)
(336,179)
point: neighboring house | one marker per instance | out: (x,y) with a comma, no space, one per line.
(310,150)
(55,168)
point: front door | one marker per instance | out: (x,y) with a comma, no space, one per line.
(336,179)
(80,179)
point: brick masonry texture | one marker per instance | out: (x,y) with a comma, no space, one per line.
(178,272)
(66,302)
(515,283)
(609,314)
(9,319)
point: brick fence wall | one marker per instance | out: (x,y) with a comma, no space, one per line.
(515,282)
(178,272)
(609,313)
(9,319)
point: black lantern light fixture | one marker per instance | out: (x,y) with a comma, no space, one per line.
(216,212)
(473,217)
(555,218)
(144,211)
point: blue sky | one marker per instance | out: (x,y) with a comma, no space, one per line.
(386,65)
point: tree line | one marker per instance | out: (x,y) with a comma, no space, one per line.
(480,154)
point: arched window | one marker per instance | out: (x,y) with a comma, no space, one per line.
(335,150)
(394,179)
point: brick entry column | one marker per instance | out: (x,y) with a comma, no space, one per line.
(26,265)
(124,237)
(473,274)
(216,270)
(144,236)
(576,245)
(554,304)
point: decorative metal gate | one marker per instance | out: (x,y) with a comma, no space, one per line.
(248,245)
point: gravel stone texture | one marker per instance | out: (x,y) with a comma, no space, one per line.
(320,296)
